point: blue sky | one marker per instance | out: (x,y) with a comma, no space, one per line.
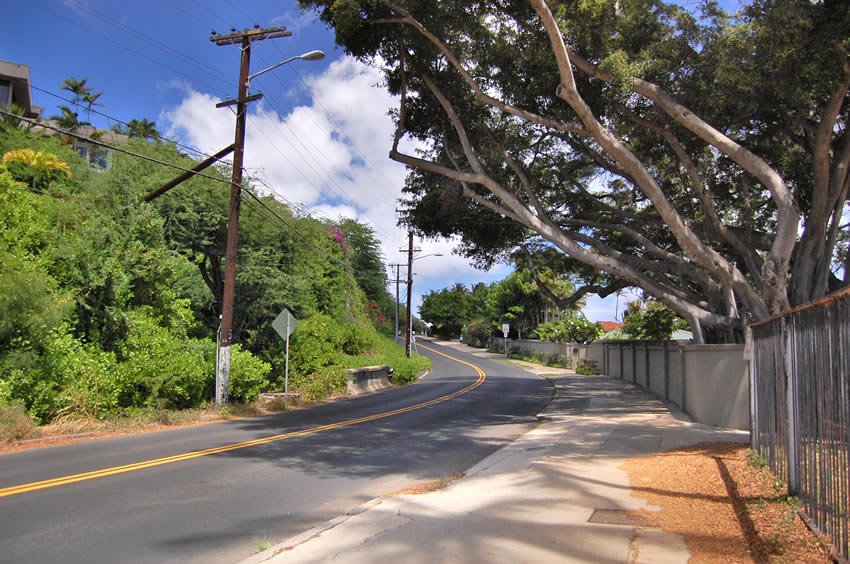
(319,139)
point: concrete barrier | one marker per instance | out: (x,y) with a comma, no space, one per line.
(368,379)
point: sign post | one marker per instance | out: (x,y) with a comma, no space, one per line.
(506,328)
(285,324)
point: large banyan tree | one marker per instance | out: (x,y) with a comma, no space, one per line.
(697,155)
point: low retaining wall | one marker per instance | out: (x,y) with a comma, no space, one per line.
(369,379)
(709,382)
(574,351)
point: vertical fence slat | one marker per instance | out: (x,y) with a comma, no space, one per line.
(800,386)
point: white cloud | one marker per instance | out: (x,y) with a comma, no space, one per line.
(330,156)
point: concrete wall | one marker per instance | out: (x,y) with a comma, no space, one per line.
(709,382)
(572,350)
(720,373)
(369,379)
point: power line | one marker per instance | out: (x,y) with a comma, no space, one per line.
(162,46)
(328,177)
(112,118)
(119,44)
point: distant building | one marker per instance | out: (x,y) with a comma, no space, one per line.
(15,88)
(609,326)
(99,157)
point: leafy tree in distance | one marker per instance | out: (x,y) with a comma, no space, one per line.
(78,87)
(651,320)
(142,129)
(446,309)
(702,157)
(67,119)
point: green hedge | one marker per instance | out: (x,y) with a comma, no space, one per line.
(321,350)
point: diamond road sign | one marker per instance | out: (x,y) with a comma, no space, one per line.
(284,324)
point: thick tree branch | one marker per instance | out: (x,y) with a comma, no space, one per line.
(775,268)
(408,19)
(750,258)
(578,295)
(707,257)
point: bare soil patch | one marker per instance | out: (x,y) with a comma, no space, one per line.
(432,486)
(727,507)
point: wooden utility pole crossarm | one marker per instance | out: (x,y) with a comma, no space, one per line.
(188,174)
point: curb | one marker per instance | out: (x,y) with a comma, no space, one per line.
(292,542)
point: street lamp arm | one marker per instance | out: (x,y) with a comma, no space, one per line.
(309,56)
(430,255)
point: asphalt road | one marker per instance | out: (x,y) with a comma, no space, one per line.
(221,506)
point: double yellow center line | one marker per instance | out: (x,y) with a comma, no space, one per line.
(63,480)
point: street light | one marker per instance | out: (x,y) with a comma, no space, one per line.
(308,56)
(222,370)
(426,256)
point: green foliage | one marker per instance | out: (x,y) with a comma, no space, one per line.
(587,367)
(357,339)
(755,460)
(248,375)
(446,309)
(162,369)
(315,344)
(653,321)
(478,333)
(110,305)
(554,360)
(322,383)
(573,329)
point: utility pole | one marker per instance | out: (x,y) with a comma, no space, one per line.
(397,298)
(409,292)
(243,38)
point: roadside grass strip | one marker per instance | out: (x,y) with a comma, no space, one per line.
(64,480)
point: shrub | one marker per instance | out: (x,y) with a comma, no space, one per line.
(321,384)
(477,333)
(561,360)
(574,329)
(162,370)
(406,370)
(16,424)
(315,344)
(248,375)
(587,367)
(358,339)
(91,381)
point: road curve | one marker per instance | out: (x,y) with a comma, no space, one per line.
(215,493)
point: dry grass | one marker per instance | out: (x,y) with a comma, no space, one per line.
(432,486)
(75,428)
(726,508)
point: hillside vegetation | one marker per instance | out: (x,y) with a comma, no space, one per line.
(110,305)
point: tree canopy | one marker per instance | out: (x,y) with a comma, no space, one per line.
(698,155)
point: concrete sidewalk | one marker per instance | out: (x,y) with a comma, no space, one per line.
(531,501)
